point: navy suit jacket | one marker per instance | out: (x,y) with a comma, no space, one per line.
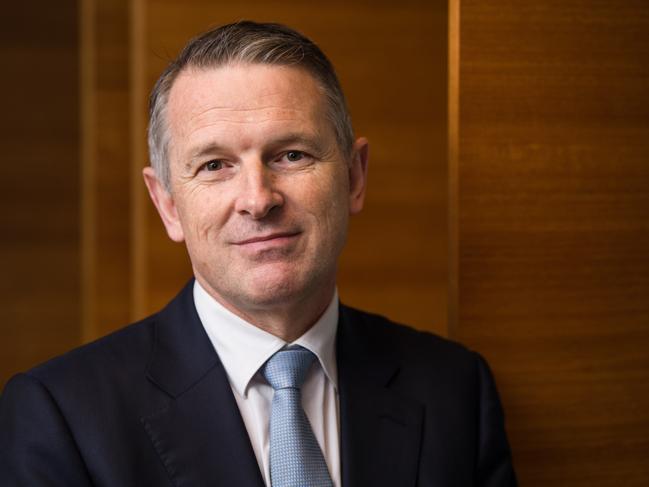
(151,405)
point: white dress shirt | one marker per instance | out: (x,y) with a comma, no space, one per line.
(243,349)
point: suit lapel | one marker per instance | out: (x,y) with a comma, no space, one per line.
(380,430)
(200,436)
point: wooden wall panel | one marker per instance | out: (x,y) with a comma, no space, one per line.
(391,58)
(108,190)
(554,229)
(39,177)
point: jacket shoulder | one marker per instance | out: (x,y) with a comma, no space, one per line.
(124,351)
(119,356)
(383,332)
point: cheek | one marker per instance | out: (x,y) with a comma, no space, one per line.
(329,205)
(202,215)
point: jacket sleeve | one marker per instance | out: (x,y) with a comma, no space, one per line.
(37,447)
(495,468)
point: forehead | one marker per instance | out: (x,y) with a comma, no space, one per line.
(244,90)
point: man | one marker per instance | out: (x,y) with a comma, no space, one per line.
(254,374)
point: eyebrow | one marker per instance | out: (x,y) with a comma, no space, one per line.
(307,140)
(202,151)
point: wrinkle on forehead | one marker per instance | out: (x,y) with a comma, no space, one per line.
(261,114)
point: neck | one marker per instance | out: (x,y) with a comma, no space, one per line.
(288,320)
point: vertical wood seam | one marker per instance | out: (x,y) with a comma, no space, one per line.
(453,161)
(138,215)
(87,170)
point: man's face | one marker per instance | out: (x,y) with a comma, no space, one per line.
(260,190)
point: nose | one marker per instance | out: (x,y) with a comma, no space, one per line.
(258,194)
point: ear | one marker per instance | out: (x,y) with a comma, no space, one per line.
(358,175)
(164,203)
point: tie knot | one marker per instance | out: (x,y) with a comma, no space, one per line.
(287,368)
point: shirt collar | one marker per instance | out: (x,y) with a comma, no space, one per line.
(243,348)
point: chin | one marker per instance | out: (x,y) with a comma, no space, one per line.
(279,288)
(274,292)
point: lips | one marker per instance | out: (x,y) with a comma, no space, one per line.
(267,238)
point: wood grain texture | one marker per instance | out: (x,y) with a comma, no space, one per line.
(391,59)
(39,201)
(105,167)
(554,230)
(110,188)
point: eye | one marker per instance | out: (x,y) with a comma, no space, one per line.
(294,155)
(214,165)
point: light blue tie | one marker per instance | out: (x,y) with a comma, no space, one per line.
(295,457)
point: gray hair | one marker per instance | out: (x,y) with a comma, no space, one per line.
(252,43)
